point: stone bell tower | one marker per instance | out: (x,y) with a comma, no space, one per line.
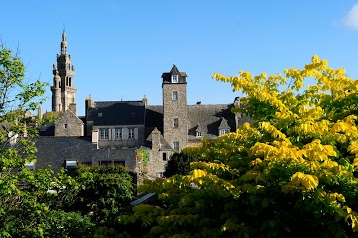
(63,92)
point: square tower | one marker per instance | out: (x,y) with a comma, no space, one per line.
(175,129)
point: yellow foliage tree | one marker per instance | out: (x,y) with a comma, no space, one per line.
(293,172)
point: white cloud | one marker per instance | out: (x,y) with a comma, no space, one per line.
(351,19)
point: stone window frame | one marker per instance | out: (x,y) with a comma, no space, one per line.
(175,122)
(175,78)
(176,145)
(175,96)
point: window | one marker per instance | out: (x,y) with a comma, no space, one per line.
(118,134)
(175,122)
(65,126)
(71,164)
(121,163)
(175,95)
(176,145)
(199,134)
(131,133)
(100,114)
(160,175)
(111,162)
(105,162)
(223,131)
(174,78)
(104,135)
(30,166)
(164,156)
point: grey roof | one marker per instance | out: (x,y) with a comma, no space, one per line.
(55,150)
(117,113)
(209,117)
(153,118)
(223,124)
(47,129)
(163,142)
(199,128)
(174,71)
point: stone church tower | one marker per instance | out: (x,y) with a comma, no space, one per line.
(175,129)
(63,92)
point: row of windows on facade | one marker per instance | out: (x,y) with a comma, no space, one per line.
(118,133)
(221,132)
(199,133)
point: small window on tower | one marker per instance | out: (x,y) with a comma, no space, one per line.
(174,78)
(175,122)
(65,126)
(176,145)
(175,95)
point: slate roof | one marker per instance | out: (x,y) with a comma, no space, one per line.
(209,117)
(55,150)
(46,130)
(153,118)
(164,144)
(223,124)
(174,71)
(117,113)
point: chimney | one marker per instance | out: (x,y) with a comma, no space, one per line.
(39,112)
(145,101)
(88,104)
(156,140)
(95,136)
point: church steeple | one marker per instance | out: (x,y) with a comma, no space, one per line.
(63,92)
(64,44)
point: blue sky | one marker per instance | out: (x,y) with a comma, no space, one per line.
(121,48)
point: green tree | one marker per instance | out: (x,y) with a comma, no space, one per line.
(101,192)
(292,173)
(26,206)
(179,163)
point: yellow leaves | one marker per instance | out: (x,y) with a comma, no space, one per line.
(353,217)
(315,151)
(301,181)
(353,147)
(197,173)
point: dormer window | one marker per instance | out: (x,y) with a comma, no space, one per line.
(223,131)
(174,78)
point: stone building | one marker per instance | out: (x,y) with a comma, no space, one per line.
(111,132)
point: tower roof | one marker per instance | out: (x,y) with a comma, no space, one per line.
(167,77)
(64,44)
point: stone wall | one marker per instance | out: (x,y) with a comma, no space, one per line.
(68,124)
(175,109)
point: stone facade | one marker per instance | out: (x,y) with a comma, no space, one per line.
(112,142)
(112,131)
(175,111)
(68,124)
